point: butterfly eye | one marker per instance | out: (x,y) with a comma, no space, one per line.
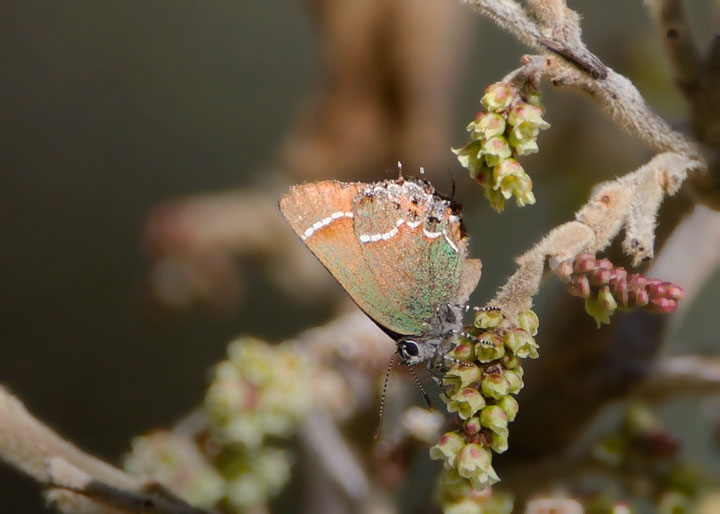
(409,349)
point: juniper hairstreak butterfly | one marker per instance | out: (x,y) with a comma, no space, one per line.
(399,249)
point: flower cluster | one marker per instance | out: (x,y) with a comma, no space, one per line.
(479,388)
(507,129)
(259,392)
(606,288)
(641,446)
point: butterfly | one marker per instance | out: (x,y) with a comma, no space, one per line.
(399,249)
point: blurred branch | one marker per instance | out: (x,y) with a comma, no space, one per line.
(194,243)
(688,374)
(77,482)
(325,443)
(698,78)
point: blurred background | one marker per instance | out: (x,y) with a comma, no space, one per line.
(113,113)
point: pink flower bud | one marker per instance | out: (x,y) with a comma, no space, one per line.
(662,305)
(497,97)
(600,276)
(579,286)
(584,262)
(674,292)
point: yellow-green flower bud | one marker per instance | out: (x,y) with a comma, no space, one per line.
(494,418)
(488,319)
(499,442)
(461,376)
(601,308)
(606,298)
(466,402)
(508,176)
(491,348)
(496,149)
(529,322)
(494,385)
(510,406)
(497,201)
(498,97)
(487,125)
(472,426)
(510,361)
(470,156)
(447,448)
(535,98)
(475,462)
(522,145)
(521,343)
(526,113)
(462,352)
(515,381)
(523,192)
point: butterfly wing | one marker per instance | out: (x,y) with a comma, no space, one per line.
(396,247)
(321,214)
(414,244)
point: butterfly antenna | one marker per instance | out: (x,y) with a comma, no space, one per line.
(422,389)
(382,397)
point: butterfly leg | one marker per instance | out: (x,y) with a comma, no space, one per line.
(473,338)
(457,361)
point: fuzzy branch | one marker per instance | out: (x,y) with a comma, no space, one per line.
(77,482)
(630,202)
(697,76)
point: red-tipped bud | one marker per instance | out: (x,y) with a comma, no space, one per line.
(640,298)
(584,262)
(579,286)
(603,264)
(662,305)
(600,276)
(674,292)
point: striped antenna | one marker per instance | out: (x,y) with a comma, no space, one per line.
(382,397)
